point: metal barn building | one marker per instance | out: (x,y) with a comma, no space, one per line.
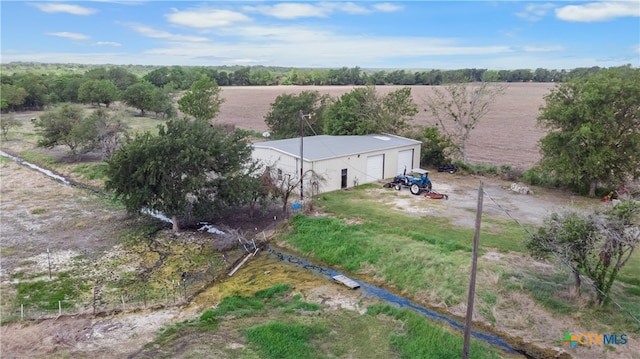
(342,161)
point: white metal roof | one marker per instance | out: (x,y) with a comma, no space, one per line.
(323,147)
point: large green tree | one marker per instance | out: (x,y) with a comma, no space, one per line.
(436,147)
(121,77)
(158,77)
(187,170)
(64,88)
(594,129)
(162,103)
(141,95)
(64,125)
(458,107)
(284,119)
(202,100)
(36,90)
(97,92)
(363,111)
(12,97)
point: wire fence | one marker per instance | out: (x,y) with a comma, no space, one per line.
(111,297)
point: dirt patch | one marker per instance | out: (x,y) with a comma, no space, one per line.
(498,202)
(113,337)
(38,213)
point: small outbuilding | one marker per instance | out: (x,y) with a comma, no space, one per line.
(340,161)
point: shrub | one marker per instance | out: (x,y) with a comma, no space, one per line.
(535,176)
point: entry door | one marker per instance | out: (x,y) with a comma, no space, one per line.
(343,185)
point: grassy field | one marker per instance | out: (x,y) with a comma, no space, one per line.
(275,323)
(428,258)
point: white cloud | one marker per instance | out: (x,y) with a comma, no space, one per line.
(206,18)
(69,35)
(70,9)
(293,10)
(108,43)
(599,11)
(280,34)
(535,12)
(159,34)
(510,33)
(388,7)
(351,8)
(530,48)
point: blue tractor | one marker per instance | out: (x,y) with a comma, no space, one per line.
(417,182)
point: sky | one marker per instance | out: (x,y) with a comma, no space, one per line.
(389,34)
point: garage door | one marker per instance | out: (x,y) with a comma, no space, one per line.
(405,161)
(375,165)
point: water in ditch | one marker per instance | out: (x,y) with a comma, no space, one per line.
(366,288)
(370,290)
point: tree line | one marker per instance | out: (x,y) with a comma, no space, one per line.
(193,169)
(30,90)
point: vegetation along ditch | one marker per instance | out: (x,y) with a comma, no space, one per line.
(509,345)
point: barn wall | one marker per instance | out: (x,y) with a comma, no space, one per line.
(391,166)
(331,169)
(270,157)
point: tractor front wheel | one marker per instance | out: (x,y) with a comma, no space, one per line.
(397,187)
(415,189)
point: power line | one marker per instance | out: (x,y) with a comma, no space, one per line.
(563,261)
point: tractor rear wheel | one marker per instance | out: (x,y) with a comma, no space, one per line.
(415,189)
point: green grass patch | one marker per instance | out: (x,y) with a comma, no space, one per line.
(238,306)
(504,235)
(420,338)
(488,297)
(630,273)
(633,290)
(139,232)
(38,210)
(235,307)
(400,254)
(45,294)
(139,124)
(4,160)
(278,340)
(386,332)
(273,291)
(477,169)
(629,280)
(535,176)
(92,171)
(543,289)
(38,158)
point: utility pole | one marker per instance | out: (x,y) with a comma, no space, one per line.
(302,119)
(472,282)
(301,156)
